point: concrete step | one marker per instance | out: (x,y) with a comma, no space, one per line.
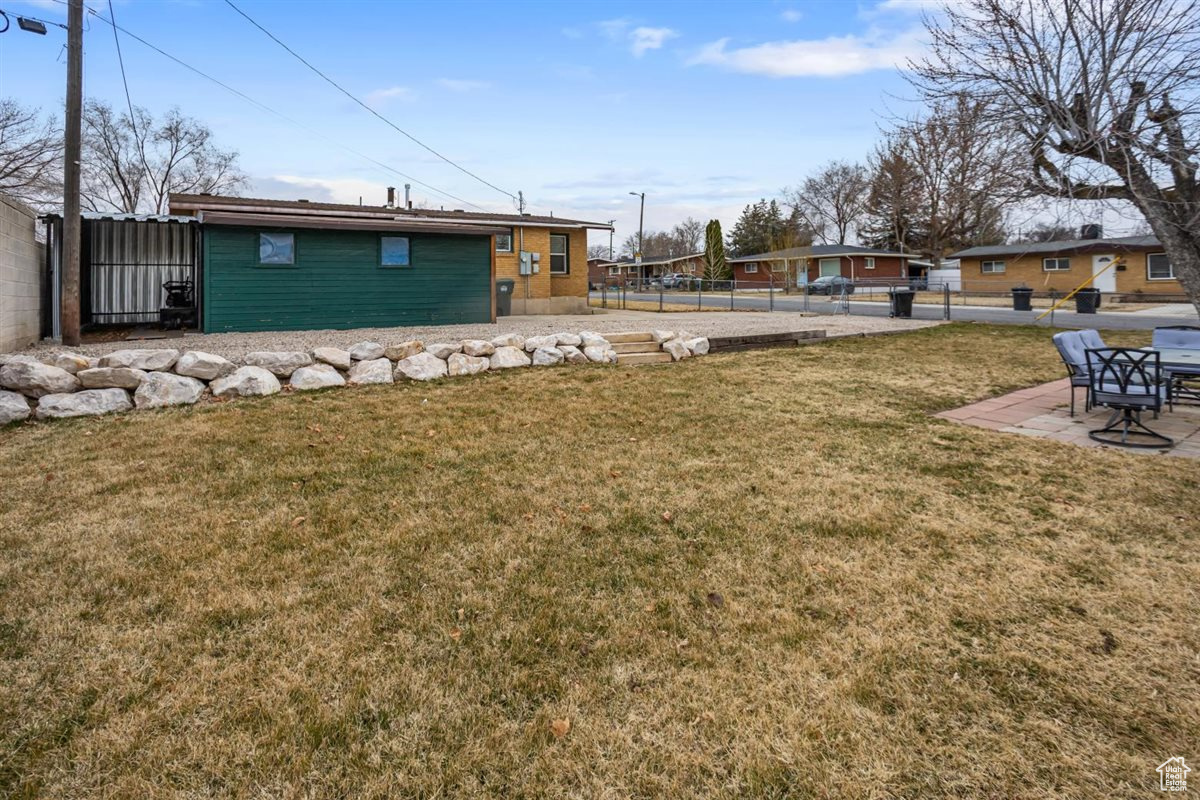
(634,359)
(628,336)
(637,347)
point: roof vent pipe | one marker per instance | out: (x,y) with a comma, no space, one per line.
(391,203)
(408,195)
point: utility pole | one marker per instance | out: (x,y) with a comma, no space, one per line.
(637,257)
(72,224)
(611,230)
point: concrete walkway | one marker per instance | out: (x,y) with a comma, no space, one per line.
(1044,412)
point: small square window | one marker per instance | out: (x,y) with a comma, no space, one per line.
(393,251)
(1158,268)
(870,262)
(991,267)
(558,254)
(504,242)
(1056,264)
(277,248)
(751,267)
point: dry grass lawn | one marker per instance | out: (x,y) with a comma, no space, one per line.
(765,574)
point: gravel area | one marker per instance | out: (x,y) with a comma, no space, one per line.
(234,346)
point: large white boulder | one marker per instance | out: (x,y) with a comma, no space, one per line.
(592,339)
(112,378)
(595,353)
(367,351)
(677,349)
(421,367)
(318,376)
(568,339)
(333,356)
(443,349)
(462,364)
(12,358)
(662,336)
(509,340)
(698,345)
(399,352)
(88,403)
(161,389)
(572,354)
(478,347)
(534,342)
(71,362)
(249,381)
(140,359)
(507,357)
(547,357)
(36,379)
(281,364)
(13,407)
(205,366)
(377,370)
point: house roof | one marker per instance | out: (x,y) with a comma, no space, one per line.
(197,203)
(1061,246)
(666,259)
(818,251)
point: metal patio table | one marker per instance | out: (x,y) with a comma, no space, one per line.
(1180,362)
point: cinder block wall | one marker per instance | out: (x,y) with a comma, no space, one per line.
(20,276)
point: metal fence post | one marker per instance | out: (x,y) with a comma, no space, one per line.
(771,295)
(700,294)
(732,284)
(946,300)
(660,298)
(1053,303)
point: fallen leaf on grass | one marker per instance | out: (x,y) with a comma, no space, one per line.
(715,599)
(456,633)
(633,438)
(430,433)
(298,521)
(614,474)
(586,507)
(315,428)
(668,517)
(528,517)
(560,727)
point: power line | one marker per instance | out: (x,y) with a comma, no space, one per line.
(128,100)
(272,111)
(375,113)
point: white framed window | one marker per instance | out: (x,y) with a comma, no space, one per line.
(277,249)
(614,270)
(1056,264)
(1158,268)
(504,242)
(991,267)
(751,266)
(558,254)
(870,262)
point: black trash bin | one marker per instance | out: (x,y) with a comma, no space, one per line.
(1086,301)
(1022,298)
(902,302)
(504,293)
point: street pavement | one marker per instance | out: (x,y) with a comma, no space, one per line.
(1176,314)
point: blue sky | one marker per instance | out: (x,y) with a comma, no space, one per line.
(705,106)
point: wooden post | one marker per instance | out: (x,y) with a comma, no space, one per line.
(72,224)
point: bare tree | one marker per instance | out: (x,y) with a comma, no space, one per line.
(597,251)
(1103,93)
(895,200)
(832,200)
(134,163)
(689,235)
(30,155)
(963,163)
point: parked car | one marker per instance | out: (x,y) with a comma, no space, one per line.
(673,280)
(831,284)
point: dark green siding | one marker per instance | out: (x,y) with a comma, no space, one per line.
(337,282)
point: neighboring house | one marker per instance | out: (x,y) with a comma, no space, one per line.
(625,270)
(598,270)
(1141,265)
(790,265)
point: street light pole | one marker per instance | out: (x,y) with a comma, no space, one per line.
(72,224)
(611,231)
(637,257)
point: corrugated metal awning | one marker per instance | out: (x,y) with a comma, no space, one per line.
(344,223)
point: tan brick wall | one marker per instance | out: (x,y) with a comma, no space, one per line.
(543,286)
(20,277)
(1028,270)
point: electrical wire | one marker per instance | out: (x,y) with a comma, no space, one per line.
(375,113)
(128,100)
(275,113)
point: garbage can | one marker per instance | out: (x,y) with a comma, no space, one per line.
(1022,298)
(504,293)
(1086,301)
(902,302)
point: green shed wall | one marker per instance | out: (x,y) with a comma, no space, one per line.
(337,281)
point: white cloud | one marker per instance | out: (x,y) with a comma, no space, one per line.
(462,85)
(791,15)
(639,39)
(829,57)
(384,96)
(643,39)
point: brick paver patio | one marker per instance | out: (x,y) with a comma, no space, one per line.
(1044,411)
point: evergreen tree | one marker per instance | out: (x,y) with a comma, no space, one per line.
(716,268)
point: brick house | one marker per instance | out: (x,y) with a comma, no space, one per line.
(783,267)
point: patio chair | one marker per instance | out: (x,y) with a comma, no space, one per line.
(1074,355)
(1127,381)
(1176,337)
(1091,339)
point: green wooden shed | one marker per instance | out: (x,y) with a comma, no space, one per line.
(265,272)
